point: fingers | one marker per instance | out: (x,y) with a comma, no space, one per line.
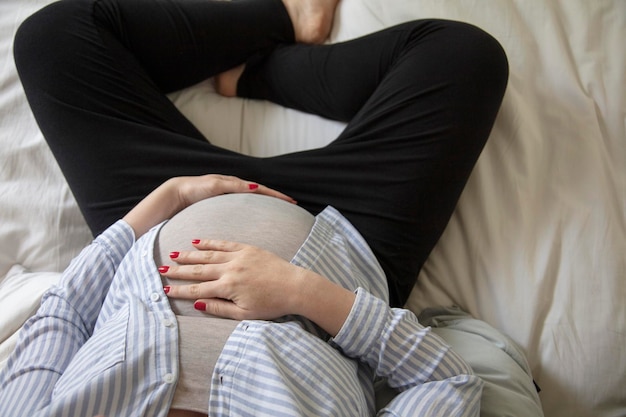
(198,265)
(217,245)
(193,272)
(220,308)
(202,290)
(272,193)
(201,257)
(205,265)
(225,184)
(229,279)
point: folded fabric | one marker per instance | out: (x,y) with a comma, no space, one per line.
(509,389)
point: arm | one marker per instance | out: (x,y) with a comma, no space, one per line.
(68,313)
(178,193)
(242,282)
(432,379)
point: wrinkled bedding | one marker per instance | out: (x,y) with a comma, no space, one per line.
(536,247)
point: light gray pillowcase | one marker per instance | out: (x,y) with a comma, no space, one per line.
(509,390)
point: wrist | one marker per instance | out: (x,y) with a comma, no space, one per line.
(323,302)
(173,194)
(161,204)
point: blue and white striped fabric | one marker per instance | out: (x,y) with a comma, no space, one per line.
(106,342)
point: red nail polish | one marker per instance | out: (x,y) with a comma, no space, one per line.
(199,305)
(253,186)
(174,255)
(166,289)
(195,241)
(164,269)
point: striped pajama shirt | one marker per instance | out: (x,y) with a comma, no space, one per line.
(105,341)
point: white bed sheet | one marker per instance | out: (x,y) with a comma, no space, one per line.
(537,246)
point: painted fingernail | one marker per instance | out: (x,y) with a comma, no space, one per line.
(166,289)
(199,305)
(195,241)
(174,255)
(164,269)
(253,186)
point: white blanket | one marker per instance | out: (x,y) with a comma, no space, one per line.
(537,246)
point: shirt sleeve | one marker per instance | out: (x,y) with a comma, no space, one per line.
(432,379)
(65,320)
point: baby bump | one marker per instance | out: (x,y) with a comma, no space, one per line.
(253,219)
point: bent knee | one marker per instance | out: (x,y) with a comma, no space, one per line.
(478,66)
(46,33)
(467,50)
(480,54)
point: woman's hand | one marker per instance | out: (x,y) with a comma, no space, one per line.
(180,192)
(194,189)
(235,280)
(245,282)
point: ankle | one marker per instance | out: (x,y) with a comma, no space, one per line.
(226,82)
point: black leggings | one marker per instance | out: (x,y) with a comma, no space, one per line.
(420,100)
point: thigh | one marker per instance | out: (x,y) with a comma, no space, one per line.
(95,73)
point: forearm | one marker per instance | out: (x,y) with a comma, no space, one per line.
(429,375)
(396,346)
(64,322)
(326,304)
(45,347)
(178,193)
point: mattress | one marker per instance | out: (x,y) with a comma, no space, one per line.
(537,244)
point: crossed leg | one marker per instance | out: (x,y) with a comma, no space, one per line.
(419,98)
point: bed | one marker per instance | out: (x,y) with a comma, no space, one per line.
(537,244)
